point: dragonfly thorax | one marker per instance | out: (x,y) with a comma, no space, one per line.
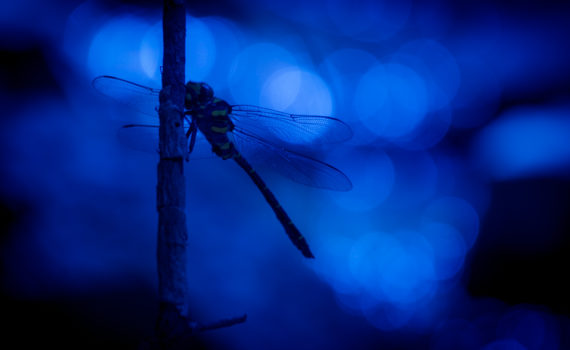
(197,94)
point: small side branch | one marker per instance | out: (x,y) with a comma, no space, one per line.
(179,332)
(223,323)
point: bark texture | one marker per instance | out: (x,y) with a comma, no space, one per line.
(171,188)
(174,329)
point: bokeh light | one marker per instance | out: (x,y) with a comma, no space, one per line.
(252,68)
(228,39)
(429,132)
(334,251)
(457,213)
(437,67)
(416,176)
(391,100)
(526,142)
(297,91)
(282,88)
(448,249)
(372,177)
(122,36)
(386,266)
(342,69)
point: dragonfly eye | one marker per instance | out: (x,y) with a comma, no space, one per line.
(206,92)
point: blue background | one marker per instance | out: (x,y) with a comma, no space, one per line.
(455,235)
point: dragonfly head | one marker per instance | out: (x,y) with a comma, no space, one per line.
(197,94)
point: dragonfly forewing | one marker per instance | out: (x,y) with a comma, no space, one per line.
(140,98)
(295,166)
(290,128)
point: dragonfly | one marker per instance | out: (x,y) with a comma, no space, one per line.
(240,132)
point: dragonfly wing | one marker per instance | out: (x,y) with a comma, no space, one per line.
(142,98)
(144,138)
(286,128)
(143,135)
(300,168)
(139,137)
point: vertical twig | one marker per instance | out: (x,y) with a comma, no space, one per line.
(171,190)
(173,327)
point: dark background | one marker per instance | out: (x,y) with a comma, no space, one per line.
(455,235)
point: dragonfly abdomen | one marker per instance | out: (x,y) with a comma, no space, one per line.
(213,121)
(290,229)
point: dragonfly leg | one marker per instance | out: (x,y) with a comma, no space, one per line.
(191,133)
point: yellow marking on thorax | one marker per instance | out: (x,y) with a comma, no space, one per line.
(219,130)
(219,113)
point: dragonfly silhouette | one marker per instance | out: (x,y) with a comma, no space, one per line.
(238,132)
